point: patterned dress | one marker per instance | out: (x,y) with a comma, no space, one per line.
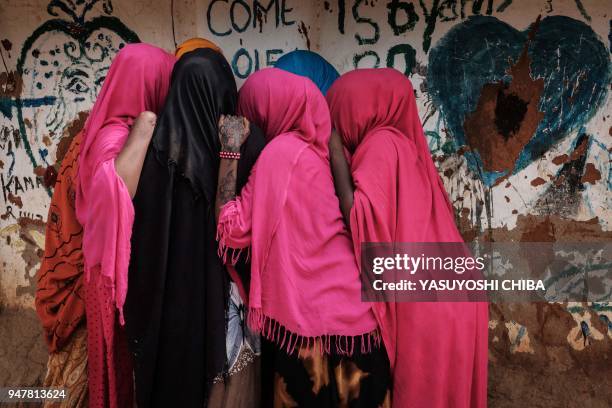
(240,386)
(60,294)
(309,378)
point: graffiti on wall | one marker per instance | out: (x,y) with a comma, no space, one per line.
(358,19)
(557,80)
(402,18)
(43,104)
(238,18)
(61,68)
(226,18)
(509,119)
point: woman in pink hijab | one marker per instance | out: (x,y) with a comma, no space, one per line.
(437,351)
(322,343)
(114,145)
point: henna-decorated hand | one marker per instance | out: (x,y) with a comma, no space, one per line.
(233,132)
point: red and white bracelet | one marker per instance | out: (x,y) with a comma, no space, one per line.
(230,155)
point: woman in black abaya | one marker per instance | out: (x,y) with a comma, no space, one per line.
(179,293)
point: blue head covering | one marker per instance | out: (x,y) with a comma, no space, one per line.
(310,65)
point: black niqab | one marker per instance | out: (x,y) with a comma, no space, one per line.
(178,287)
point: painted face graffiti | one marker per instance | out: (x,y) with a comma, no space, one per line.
(62,67)
(71,74)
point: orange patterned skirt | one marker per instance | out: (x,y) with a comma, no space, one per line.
(309,378)
(68,369)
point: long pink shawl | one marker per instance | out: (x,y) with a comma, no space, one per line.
(438,351)
(137,80)
(304,277)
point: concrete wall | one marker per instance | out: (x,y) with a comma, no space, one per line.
(531,99)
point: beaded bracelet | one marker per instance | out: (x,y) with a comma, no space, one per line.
(230,155)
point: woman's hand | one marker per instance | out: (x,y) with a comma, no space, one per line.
(128,163)
(233,132)
(343,180)
(335,142)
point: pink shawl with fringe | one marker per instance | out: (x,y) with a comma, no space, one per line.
(137,80)
(304,279)
(438,351)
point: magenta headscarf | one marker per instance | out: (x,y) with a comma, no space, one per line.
(438,351)
(280,102)
(137,81)
(304,277)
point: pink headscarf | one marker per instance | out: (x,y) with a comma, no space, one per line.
(304,278)
(137,80)
(438,351)
(280,102)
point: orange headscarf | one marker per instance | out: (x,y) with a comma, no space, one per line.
(194,44)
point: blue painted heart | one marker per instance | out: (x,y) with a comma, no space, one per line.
(509,95)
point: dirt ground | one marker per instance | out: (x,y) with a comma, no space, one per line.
(554,378)
(23,353)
